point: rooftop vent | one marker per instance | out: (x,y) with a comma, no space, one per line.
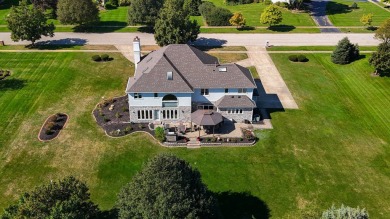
(239,96)
(222,69)
(169,75)
(232,96)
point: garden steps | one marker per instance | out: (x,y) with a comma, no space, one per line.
(193,143)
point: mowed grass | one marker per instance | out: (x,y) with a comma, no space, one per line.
(252,12)
(333,150)
(340,14)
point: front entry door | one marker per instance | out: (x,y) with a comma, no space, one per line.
(156,114)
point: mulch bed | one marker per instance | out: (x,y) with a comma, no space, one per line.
(4,74)
(53,126)
(113,116)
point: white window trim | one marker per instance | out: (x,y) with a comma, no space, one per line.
(204,93)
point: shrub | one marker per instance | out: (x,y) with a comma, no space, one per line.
(128,129)
(159,134)
(354,5)
(125,109)
(50,126)
(106,119)
(96,58)
(105,57)
(49,132)
(302,58)
(140,126)
(215,16)
(124,2)
(117,115)
(293,58)
(268,2)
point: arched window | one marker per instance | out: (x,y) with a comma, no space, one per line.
(169,100)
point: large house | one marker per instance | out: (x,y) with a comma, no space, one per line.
(171,83)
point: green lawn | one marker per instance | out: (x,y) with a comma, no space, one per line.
(315,48)
(339,13)
(334,149)
(252,13)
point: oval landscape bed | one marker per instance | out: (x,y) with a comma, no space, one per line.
(53,126)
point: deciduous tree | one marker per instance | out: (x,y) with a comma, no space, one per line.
(167,187)
(237,20)
(144,11)
(67,198)
(345,52)
(28,23)
(381,58)
(271,15)
(383,32)
(366,19)
(80,12)
(173,25)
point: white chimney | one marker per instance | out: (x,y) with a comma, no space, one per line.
(137,51)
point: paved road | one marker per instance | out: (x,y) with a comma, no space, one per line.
(318,13)
(205,39)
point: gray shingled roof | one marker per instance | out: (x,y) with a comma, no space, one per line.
(191,69)
(235,101)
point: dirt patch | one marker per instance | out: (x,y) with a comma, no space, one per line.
(53,126)
(113,116)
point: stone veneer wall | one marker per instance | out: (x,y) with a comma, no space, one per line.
(247,114)
(183,111)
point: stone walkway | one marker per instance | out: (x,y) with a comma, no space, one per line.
(273,91)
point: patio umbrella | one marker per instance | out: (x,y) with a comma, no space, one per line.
(206,117)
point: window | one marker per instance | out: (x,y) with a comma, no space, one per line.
(206,107)
(226,90)
(137,96)
(169,100)
(169,75)
(241,90)
(234,111)
(145,114)
(204,92)
(170,114)
(155,94)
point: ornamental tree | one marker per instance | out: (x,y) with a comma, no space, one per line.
(383,32)
(173,25)
(80,12)
(345,52)
(67,198)
(237,20)
(28,23)
(381,58)
(366,19)
(167,187)
(271,15)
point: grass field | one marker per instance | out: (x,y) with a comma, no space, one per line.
(315,48)
(340,15)
(334,149)
(251,13)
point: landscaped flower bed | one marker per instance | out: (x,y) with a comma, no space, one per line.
(113,116)
(4,74)
(247,138)
(52,127)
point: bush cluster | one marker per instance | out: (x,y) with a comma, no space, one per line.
(159,134)
(354,5)
(98,58)
(298,58)
(215,16)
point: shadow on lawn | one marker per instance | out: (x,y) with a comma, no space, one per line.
(242,205)
(281,28)
(337,8)
(11,84)
(59,44)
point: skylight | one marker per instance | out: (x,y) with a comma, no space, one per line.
(222,69)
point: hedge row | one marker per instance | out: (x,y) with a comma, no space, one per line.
(298,58)
(215,16)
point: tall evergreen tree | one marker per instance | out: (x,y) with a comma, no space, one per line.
(67,198)
(167,187)
(28,23)
(174,26)
(80,12)
(345,52)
